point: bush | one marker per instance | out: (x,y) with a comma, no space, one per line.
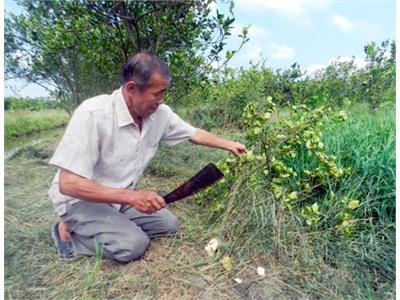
(341,84)
(14,103)
(21,122)
(288,198)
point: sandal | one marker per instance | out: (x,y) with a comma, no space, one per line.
(64,248)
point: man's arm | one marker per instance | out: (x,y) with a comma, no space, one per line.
(203,137)
(77,186)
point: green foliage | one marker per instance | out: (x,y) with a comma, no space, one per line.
(340,84)
(288,159)
(21,122)
(14,103)
(77,48)
(378,81)
(230,92)
(367,143)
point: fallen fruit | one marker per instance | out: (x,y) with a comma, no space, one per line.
(227,263)
(238,280)
(260,271)
(212,246)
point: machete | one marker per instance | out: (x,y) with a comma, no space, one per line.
(204,178)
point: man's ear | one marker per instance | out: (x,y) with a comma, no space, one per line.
(131,86)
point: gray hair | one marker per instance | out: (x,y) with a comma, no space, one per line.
(142,66)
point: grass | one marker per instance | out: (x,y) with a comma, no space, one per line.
(173,268)
(23,122)
(299,263)
(367,143)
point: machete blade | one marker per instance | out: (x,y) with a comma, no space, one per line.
(204,178)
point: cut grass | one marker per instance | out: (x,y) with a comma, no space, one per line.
(171,268)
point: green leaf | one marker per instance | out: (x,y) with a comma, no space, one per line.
(227,263)
(353,204)
(314,208)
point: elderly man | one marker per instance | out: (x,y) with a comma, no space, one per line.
(106,147)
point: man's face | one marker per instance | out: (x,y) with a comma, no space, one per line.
(145,102)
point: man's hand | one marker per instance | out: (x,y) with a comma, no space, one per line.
(236,148)
(147,202)
(77,186)
(202,137)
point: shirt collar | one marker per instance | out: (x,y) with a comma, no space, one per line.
(124,117)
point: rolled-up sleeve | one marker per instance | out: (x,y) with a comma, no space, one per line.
(78,150)
(177,130)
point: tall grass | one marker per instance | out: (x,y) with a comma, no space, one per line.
(367,143)
(22,122)
(320,261)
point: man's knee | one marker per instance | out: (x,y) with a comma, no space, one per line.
(131,247)
(170,224)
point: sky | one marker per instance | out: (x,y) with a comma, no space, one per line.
(312,33)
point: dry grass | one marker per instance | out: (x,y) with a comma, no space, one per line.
(175,267)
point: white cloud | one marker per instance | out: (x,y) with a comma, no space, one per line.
(22,58)
(250,52)
(311,69)
(343,23)
(215,64)
(296,10)
(253,49)
(255,32)
(272,51)
(373,31)
(213,6)
(280,51)
(253,53)
(358,62)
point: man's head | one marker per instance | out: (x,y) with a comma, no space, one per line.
(145,81)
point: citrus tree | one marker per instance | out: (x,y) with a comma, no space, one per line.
(76,48)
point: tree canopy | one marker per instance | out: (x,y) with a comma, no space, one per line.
(76,48)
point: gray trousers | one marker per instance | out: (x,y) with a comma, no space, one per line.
(123,235)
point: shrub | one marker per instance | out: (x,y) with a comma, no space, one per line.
(25,122)
(290,199)
(14,103)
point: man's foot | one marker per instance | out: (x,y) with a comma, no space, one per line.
(63,231)
(64,247)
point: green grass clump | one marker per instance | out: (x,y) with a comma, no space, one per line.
(31,104)
(367,143)
(22,122)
